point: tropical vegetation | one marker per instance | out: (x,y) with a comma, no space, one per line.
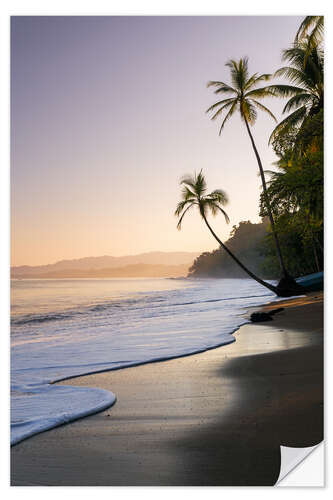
(305,92)
(296,187)
(290,238)
(312,28)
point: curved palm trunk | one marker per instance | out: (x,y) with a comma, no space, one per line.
(263,283)
(277,243)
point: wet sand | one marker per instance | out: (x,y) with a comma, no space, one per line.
(215,418)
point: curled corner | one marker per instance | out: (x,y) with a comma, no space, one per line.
(291,458)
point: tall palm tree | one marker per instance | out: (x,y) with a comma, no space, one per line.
(306,89)
(244,93)
(194,195)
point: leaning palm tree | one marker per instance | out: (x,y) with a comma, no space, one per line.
(243,95)
(194,195)
(306,88)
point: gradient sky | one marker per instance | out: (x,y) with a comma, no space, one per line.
(107,113)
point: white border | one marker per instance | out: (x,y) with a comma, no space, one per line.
(133,7)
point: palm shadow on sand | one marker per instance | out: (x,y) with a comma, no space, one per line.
(279,402)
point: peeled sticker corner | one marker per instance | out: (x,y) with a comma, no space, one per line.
(291,458)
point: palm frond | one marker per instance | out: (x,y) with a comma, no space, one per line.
(295,54)
(255,79)
(263,108)
(211,205)
(219,195)
(225,90)
(250,81)
(260,92)
(272,172)
(264,77)
(222,109)
(289,122)
(189,181)
(307,23)
(315,36)
(228,115)
(304,26)
(187,197)
(297,101)
(214,207)
(307,42)
(222,87)
(200,185)
(232,64)
(238,72)
(218,103)
(180,206)
(243,72)
(279,90)
(225,215)
(179,223)
(296,76)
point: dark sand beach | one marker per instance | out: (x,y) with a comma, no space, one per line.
(215,418)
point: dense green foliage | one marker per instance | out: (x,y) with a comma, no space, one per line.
(296,194)
(296,189)
(305,92)
(311,29)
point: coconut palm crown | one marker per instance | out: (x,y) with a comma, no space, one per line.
(306,89)
(311,29)
(194,194)
(243,94)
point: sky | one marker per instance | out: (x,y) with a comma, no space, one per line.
(108,113)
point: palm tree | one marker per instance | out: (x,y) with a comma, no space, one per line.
(315,37)
(194,195)
(306,92)
(317,25)
(244,93)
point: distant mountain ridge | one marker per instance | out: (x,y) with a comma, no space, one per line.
(108,266)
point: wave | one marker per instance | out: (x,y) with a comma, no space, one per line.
(114,306)
(39,318)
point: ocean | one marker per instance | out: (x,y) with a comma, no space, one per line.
(70,327)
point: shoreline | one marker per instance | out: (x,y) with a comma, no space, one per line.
(262,307)
(218,342)
(209,411)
